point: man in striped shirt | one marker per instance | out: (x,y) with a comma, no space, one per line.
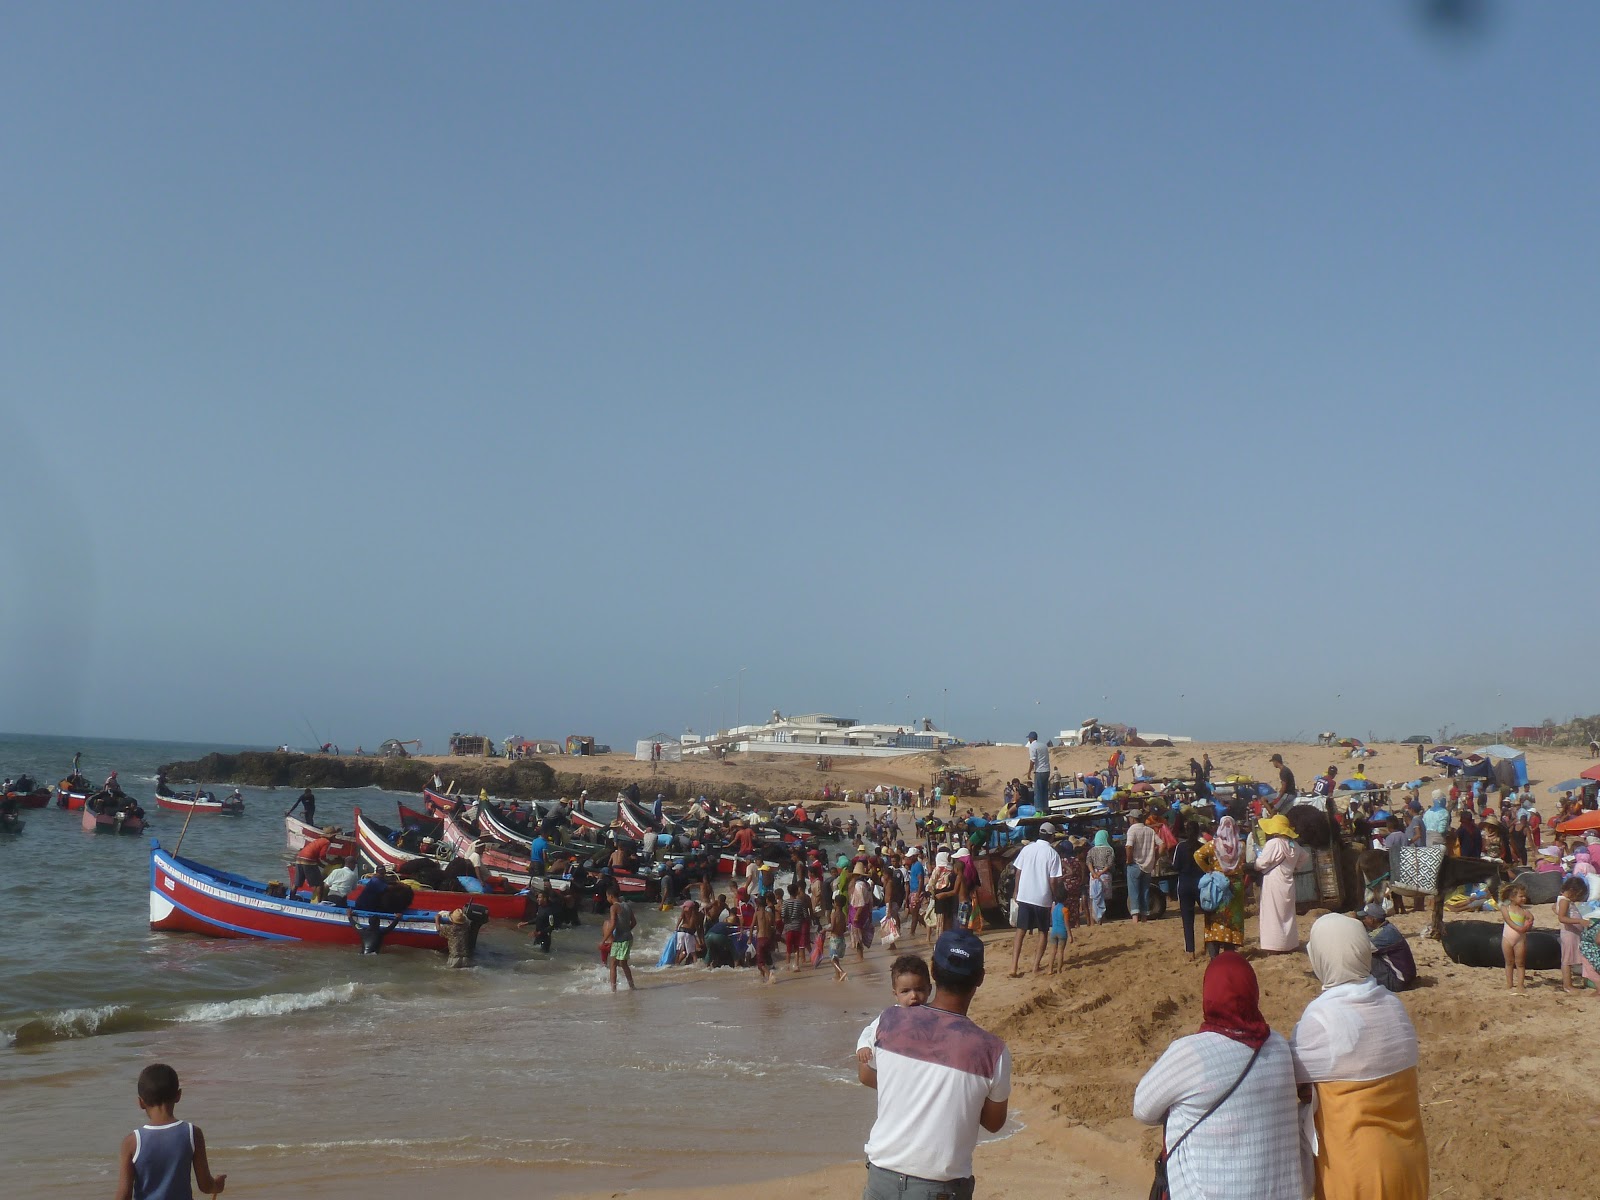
(939,1079)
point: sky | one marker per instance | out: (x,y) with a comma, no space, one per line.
(388,370)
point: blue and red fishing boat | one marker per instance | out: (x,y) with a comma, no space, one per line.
(190,897)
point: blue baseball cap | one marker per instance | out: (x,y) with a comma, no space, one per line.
(959,952)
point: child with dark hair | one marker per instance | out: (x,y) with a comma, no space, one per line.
(1570,919)
(909,980)
(158,1157)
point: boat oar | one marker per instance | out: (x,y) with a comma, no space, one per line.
(183,831)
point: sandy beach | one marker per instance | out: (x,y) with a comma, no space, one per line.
(1495,1068)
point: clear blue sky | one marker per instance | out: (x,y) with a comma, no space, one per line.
(534,368)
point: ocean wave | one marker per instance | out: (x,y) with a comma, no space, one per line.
(72,1023)
(76,1023)
(268,1006)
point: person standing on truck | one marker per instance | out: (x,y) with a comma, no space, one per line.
(1039,763)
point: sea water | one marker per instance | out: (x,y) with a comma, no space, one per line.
(371,1074)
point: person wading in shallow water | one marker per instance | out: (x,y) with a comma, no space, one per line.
(619,929)
(307,801)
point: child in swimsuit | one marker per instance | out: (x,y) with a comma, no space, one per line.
(1514,937)
(1574,893)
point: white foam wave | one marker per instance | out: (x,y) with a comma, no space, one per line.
(268,1006)
(82,1022)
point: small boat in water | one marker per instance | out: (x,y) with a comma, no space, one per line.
(202,802)
(189,897)
(120,820)
(23,792)
(11,825)
(72,794)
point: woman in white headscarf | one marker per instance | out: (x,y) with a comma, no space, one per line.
(943,887)
(1356,1049)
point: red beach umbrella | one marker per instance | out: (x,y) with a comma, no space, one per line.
(1588,820)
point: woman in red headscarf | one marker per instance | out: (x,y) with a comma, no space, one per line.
(1226,1097)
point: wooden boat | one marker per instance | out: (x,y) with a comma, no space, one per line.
(442,805)
(410,818)
(73,795)
(634,820)
(495,823)
(189,897)
(33,798)
(112,822)
(499,859)
(376,847)
(201,802)
(585,824)
(299,833)
(505,906)
(379,849)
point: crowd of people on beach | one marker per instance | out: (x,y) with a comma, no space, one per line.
(1330,1110)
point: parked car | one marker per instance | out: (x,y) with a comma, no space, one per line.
(1417,739)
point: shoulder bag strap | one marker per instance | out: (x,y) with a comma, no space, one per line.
(1172,1149)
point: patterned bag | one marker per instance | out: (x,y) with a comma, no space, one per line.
(1418,869)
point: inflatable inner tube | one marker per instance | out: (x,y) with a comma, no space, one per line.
(1477,944)
(1543,886)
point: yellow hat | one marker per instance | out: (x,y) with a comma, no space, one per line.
(1278,825)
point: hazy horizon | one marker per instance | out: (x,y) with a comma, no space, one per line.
(394,370)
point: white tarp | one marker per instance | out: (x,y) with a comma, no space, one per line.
(647,751)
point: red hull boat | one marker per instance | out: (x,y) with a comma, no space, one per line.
(116,822)
(205,803)
(299,833)
(189,897)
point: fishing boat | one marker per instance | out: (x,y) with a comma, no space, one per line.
(201,802)
(189,897)
(24,793)
(495,823)
(634,820)
(299,833)
(585,824)
(440,804)
(378,847)
(498,858)
(112,822)
(410,818)
(73,794)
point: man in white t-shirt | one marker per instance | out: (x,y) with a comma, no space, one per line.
(939,1078)
(1037,868)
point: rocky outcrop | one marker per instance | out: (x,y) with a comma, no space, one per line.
(522,779)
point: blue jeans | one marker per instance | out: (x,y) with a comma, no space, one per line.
(1041,789)
(1138,891)
(891,1185)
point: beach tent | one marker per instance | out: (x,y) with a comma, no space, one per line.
(1511,769)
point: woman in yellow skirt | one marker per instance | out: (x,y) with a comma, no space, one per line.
(1225,853)
(1355,1051)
